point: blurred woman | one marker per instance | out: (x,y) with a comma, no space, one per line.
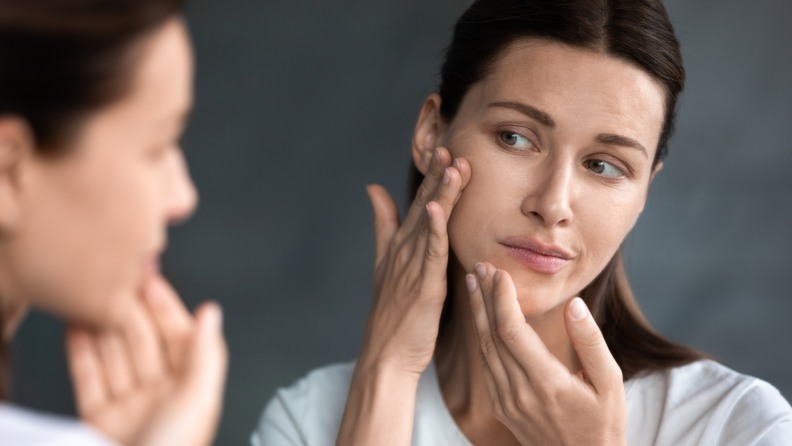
(94,95)
(502,312)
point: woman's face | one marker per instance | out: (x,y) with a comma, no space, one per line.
(560,142)
(92,223)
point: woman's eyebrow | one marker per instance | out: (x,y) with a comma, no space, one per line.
(527,110)
(618,140)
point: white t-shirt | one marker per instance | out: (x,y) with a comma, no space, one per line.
(22,427)
(703,403)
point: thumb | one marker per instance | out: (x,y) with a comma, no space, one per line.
(386,217)
(598,364)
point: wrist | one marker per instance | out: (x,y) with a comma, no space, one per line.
(382,373)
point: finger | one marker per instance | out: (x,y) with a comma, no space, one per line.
(492,386)
(428,188)
(436,251)
(598,363)
(115,363)
(485,335)
(523,343)
(449,190)
(205,381)
(90,391)
(171,318)
(144,344)
(494,292)
(465,174)
(386,217)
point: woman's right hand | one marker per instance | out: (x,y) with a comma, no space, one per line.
(410,283)
(410,287)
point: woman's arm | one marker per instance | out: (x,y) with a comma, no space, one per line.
(410,288)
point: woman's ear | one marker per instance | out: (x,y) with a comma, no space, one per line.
(657,168)
(428,133)
(15,143)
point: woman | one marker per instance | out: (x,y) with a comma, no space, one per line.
(502,312)
(93,99)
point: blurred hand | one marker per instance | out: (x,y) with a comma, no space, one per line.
(410,270)
(533,393)
(159,380)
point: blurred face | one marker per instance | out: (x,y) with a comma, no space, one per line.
(560,143)
(93,223)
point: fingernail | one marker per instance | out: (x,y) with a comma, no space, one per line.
(456,163)
(436,156)
(428,210)
(215,316)
(497,277)
(471,282)
(578,309)
(446,176)
(481,270)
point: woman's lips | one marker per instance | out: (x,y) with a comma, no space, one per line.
(537,256)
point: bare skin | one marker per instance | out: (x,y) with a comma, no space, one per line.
(81,236)
(559,143)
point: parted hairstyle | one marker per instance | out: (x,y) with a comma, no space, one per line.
(62,60)
(638,32)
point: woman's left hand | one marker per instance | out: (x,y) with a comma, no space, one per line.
(531,391)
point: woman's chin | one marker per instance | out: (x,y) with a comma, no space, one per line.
(538,298)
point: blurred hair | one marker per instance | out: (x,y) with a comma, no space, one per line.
(62,60)
(637,32)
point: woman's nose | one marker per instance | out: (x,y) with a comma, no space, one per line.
(182,195)
(550,199)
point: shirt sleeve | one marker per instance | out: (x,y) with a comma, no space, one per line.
(778,435)
(761,417)
(279,424)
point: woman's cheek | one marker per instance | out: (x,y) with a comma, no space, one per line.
(461,237)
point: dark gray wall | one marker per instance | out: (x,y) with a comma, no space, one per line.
(300,104)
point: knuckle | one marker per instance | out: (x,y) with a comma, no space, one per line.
(487,344)
(547,392)
(424,227)
(436,250)
(523,401)
(510,408)
(403,256)
(498,411)
(508,332)
(423,194)
(592,338)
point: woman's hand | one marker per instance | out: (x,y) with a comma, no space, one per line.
(157,381)
(533,393)
(410,271)
(409,290)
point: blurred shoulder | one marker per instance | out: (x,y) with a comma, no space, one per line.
(705,403)
(309,411)
(20,426)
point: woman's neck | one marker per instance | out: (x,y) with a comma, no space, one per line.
(460,370)
(12,311)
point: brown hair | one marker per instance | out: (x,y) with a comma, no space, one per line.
(61,60)
(635,31)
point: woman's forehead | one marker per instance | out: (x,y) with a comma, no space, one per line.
(575,86)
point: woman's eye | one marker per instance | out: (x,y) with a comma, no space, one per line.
(605,169)
(516,140)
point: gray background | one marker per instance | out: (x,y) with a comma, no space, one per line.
(301,103)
